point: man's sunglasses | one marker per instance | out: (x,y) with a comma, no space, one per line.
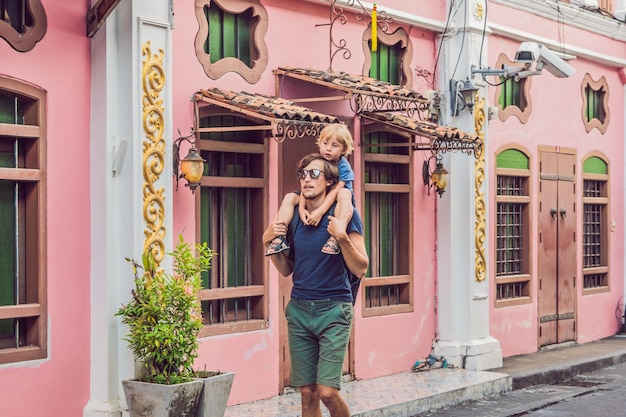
(313,173)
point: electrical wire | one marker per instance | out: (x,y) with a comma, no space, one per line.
(458,60)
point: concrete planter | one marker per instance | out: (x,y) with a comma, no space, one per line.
(158,400)
(214,396)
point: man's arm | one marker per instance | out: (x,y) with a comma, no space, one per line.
(280,260)
(352,246)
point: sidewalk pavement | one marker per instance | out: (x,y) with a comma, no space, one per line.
(410,394)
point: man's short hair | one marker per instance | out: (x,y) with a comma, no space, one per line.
(331,172)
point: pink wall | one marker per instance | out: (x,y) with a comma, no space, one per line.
(60,64)
(385,344)
(556,121)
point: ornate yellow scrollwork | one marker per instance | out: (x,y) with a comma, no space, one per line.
(153,81)
(479,169)
(479,11)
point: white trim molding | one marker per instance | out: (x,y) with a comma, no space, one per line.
(571,15)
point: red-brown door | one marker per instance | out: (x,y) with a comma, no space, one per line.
(557,248)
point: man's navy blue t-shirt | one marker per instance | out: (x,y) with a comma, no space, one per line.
(316,275)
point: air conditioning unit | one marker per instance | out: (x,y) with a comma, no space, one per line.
(584,3)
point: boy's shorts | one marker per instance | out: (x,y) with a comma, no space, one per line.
(319,332)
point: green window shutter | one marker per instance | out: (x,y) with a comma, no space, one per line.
(229,34)
(595,165)
(386,63)
(8,229)
(510,93)
(512,159)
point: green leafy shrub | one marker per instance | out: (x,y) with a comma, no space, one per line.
(164,315)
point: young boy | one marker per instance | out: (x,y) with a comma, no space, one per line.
(334,144)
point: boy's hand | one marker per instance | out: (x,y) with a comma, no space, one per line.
(304,215)
(314,218)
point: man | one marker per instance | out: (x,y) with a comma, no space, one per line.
(319,314)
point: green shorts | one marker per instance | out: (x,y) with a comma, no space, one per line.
(319,332)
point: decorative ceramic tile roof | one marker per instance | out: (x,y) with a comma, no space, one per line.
(441,138)
(369,94)
(285,118)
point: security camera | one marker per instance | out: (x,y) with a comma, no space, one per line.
(529,52)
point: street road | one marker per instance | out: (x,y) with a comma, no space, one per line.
(598,394)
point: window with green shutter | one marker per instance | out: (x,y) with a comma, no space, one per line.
(388,194)
(26,23)
(23,328)
(231,191)
(391,62)
(513,95)
(595,111)
(230,38)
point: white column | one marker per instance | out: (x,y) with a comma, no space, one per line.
(117,220)
(463,313)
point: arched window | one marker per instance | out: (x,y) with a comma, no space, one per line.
(512,228)
(595,225)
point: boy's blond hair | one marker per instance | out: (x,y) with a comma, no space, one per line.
(340,132)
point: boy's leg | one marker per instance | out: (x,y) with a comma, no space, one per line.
(284,215)
(344,208)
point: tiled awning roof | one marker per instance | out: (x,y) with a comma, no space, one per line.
(284,118)
(370,95)
(440,138)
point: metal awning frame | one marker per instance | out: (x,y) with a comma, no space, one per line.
(361,100)
(280,129)
(435,144)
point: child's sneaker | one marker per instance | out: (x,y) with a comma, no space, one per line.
(278,245)
(331,247)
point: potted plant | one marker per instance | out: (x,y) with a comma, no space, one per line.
(214,397)
(164,320)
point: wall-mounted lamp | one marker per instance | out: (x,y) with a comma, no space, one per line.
(437,178)
(462,95)
(190,167)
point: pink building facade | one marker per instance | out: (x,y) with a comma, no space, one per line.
(524,249)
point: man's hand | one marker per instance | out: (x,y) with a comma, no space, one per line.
(337,227)
(273,230)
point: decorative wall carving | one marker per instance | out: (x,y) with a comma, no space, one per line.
(480,233)
(153,82)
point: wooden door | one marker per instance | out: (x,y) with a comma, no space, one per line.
(557,248)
